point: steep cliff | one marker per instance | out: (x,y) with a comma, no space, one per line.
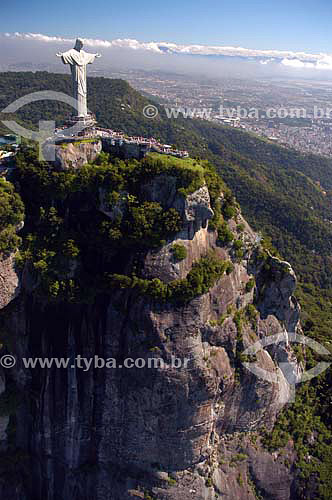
(142,260)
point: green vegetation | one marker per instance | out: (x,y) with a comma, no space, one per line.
(250,285)
(208,482)
(179,251)
(72,247)
(225,235)
(199,280)
(239,480)
(238,248)
(312,437)
(251,314)
(11,215)
(239,457)
(171,161)
(237,245)
(223,210)
(238,320)
(78,142)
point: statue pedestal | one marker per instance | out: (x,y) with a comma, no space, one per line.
(86,120)
(82,126)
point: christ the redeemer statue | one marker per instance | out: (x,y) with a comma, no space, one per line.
(78,59)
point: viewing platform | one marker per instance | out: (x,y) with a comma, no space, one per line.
(116,142)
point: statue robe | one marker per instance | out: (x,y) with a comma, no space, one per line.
(78,59)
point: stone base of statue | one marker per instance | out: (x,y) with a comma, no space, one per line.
(85,125)
(79,126)
(77,142)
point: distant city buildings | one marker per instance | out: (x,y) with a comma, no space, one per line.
(305,135)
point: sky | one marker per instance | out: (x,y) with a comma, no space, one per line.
(274,37)
(269,24)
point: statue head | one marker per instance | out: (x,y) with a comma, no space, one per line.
(78,44)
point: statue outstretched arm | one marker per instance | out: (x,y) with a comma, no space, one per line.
(91,57)
(64,57)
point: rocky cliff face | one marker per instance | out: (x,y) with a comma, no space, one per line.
(77,154)
(9,281)
(161,433)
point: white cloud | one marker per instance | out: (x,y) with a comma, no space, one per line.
(38,37)
(296,63)
(267,61)
(324,62)
(290,59)
(126,43)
